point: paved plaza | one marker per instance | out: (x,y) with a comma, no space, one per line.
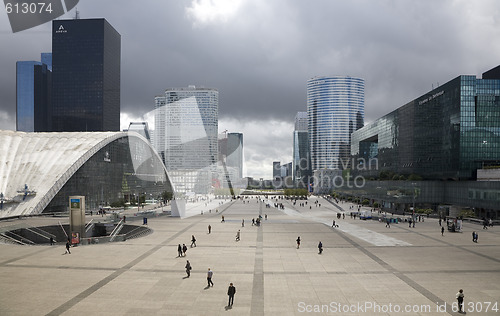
(365,268)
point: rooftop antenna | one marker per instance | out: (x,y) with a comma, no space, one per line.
(77,14)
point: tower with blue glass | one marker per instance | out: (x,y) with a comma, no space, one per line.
(335,109)
(33,94)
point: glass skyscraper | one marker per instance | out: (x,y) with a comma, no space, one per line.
(335,109)
(235,153)
(186,125)
(447,133)
(86,76)
(33,94)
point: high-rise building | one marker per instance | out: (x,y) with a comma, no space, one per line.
(447,133)
(140,128)
(301,157)
(235,153)
(86,76)
(335,109)
(33,94)
(276,169)
(186,124)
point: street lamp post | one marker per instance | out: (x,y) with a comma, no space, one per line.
(414,195)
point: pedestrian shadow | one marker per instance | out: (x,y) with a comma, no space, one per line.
(185,277)
(206,287)
(228,307)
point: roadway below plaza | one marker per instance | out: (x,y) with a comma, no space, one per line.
(364,266)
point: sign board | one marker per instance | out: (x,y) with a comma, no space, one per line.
(77,218)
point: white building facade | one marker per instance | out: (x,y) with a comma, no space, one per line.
(186,124)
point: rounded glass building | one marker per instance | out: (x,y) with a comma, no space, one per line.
(335,109)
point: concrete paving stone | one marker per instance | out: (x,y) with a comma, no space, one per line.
(143,276)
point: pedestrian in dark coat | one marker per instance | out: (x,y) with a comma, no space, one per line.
(460,300)
(231,290)
(188,268)
(179,251)
(184,249)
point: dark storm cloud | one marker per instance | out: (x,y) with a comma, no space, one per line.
(261,56)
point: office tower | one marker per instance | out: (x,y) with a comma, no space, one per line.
(335,109)
(33,94)
(86,76)
(447,133)
(234,153)
(186,123)
(276,170)
(301,157)
(140,128)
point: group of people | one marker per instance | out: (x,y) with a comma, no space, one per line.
(320,245)
(230,291)
(181,250)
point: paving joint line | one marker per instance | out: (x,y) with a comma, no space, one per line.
(92,289)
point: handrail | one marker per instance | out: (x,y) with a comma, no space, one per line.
(21,238)
(63,229)
(35,232)
(12,239)
(87,225)
(116,230)
(89,228)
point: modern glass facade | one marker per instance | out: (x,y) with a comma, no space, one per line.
(335,109)
(86,75)
(186,125)
(398,196)
(447,133)
(234,154)
(33,94)
(123,169)
(442,137)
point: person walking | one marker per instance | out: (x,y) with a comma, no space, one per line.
(460,300)
(184,249)
(209,229)
(193,241)
(474,236)
(320,247)
(51,240)
(68,245)
(243,223)
(298,242)
(238,235)
(210,273)
(222,221)
(188,268)
(442,231)
(388,223)
(231,290)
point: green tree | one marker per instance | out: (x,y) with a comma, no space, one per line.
(167,196)
(466,213)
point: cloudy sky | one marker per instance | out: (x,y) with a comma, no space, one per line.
(260,53)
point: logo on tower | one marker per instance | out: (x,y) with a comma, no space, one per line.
(61,29)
